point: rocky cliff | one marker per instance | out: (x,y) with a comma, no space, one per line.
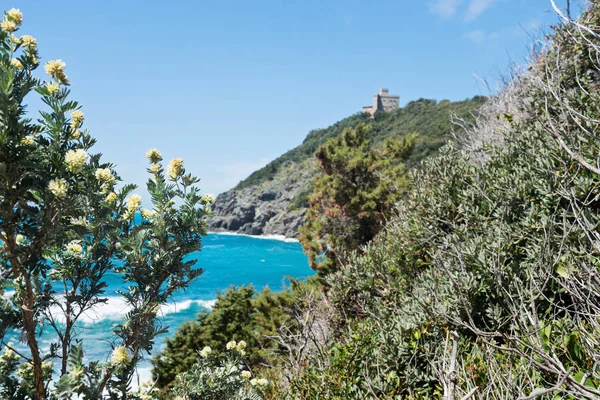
(273,199)
(273,207)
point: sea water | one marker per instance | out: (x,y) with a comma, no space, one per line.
(227,260)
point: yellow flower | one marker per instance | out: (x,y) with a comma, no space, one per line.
(231,345)
(111,198)
(241,345)
(56,69)
(262,382)
(154,168)
(8,26)
(28,141)
(148,214)
(76,119)
(154,156)
(20,239)
(76,134)
(120,356)
(9,353)
(16,63)
(105,175)
(134,203)
(175,168)
(28,41)
(52,87)
(246,374)
(74,247)
(58,187)
(254,382)
(15,15)
(208,199)
(53,67)
(205,351)
(75,159)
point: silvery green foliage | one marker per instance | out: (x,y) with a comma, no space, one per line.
(218,377)
(64,225)
(504,252)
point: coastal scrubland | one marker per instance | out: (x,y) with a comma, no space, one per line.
(472,273)
(482,282)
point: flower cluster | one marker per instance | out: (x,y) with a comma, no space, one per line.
(154,156)
(8,25)
(134,202)
(58,187)
(205,352)
(12,19)
(76,159)
(56,69)
(17,64)
(8,354)
(28,141)
(52,87)
(20,239)
(15,15)
(28,41)
(76,119)
(238,346)
(75,248)
(154,168)
(259,382)
(148,214)
(246,374)
(111,198)
(175,168)
(208,199)
(106,178)
(120,356)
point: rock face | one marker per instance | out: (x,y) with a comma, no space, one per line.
(269,208)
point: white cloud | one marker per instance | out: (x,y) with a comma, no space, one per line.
(510,32)
(444,8)
(478,7)
(477,36)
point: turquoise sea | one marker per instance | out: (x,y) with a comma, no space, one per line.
(227,260)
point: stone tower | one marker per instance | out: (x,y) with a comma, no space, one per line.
(383,101)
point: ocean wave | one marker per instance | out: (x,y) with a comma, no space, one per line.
(115,309)
(280,238)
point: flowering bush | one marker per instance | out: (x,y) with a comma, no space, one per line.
(64,225)
(220,376)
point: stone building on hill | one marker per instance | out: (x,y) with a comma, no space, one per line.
(383,101)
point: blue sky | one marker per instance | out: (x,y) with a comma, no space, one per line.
(231,85)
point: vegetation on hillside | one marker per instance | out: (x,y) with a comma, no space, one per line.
(429,118)
(240,313)
(354,194)
(484,284)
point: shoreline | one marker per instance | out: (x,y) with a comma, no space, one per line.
(280,238)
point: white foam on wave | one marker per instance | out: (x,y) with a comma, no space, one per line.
(115,309)
(280,238)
